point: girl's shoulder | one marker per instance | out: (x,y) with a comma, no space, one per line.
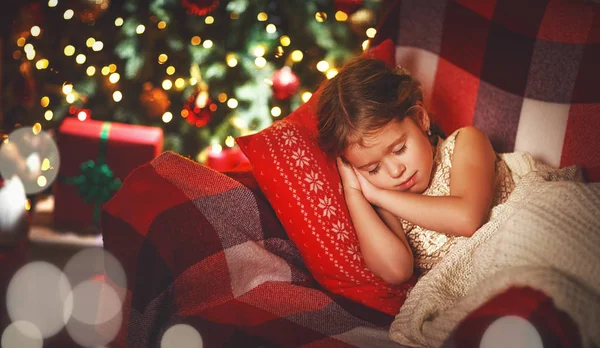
(465,139)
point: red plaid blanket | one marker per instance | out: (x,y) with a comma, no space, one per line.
(205,249)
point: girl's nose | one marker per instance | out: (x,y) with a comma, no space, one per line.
(396,169)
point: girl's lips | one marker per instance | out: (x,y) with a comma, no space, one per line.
(408,183)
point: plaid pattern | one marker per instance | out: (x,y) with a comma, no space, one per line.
(204,249)
(526,73)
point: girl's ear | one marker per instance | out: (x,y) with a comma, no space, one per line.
(422,117)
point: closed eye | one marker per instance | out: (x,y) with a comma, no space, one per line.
(401,150)
(374,170)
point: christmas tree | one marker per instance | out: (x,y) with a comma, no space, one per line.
(204,71)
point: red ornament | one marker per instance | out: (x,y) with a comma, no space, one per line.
(199,109)
(348,6)
(285,83)
(200,7)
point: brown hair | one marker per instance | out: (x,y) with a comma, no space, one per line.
(363,97)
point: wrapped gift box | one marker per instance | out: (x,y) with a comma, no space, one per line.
(83,186)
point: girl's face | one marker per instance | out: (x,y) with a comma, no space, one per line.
(398,157)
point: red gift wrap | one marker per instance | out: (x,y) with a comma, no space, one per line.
(122,147)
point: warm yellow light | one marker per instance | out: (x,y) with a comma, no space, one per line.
(222,97)
(117,96)
(44,102)
(167,84)
(193,81)
(42,181)
(162,58)
(207,44)
(285,40)
(216,148)
(170,70)
(184,113)
(42,64)
(232,103)
(69,50)
(321,17)
(167,117)
(28,48)
(36,128)
(98,46)
(230,141)
(80,59)
(105,70)
(179,83)
(114,77)
(260,62)
(341,16)
(68,14)
(262,17)
(140,29)
(322,66)
(67,88)
(297,56)
(45,164)
(36,31)
(82,116)
(371,32)
(90,42)
(259,51)
(112,68)
(271,28)
(70,98)
(118,22)
(231,60)
(161,25)
(21,41)
(365,45)
(30,55)
(331,73)
(196,40)
(306,96)
(209,20)
(48,115)
(52,3)
(276,111)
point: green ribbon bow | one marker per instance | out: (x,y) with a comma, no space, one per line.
(97,182)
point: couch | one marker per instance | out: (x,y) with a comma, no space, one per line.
(206,249)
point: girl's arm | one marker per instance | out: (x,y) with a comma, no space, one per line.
(384,248)
(471,191)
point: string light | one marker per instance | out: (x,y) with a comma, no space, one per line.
(322,66)
(222,97)
(341,16)
(161,25)
(170,70)
(193,81)
(52,3)
(297,56)
(216,148)
(331,73)
(195,40)
(365,45)
(80,59)
(230,141)
(259,51)
(118,22)
(98,46)
(162,58)
(167,117)
(112,68)
(260,62)
(371,32)
(207,44)
(140,29)
(44,102)
(306,96)
(167,84)
(35,31)
(105,70)
(114,78)
(321,17)
(48,115)
(271,29)
(69,50)
(90,42)
(45,164)
(82,115)
(276,111)
(68,14)
(67,88)
(36,128)
(42,181)
(70,98)
(209,20)
(42,64)
(262,17)
(231,60)
(232,103)
(179,83)
(21,41)
(117,96)
(285,40)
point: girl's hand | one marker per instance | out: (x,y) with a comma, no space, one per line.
(348,175)
(370,192)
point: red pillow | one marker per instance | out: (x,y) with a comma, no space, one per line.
(303,186)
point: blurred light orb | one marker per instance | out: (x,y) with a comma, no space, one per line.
(37,293)
(511,331)
(181,336)
(22,334)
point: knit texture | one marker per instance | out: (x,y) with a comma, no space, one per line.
(545,236)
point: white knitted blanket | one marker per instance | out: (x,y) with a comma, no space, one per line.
(546,236)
